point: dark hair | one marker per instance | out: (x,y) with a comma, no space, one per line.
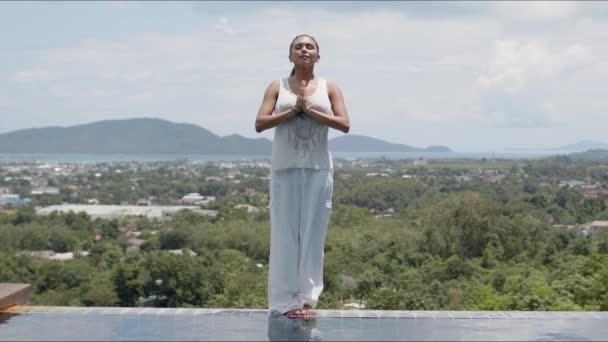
(293,70)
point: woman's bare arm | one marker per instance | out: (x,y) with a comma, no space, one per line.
(339,120)
(265,118)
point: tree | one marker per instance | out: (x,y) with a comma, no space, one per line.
(128,283)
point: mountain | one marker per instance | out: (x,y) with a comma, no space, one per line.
(591,155)
(584,145)
(142,135)
(151,135)
(361,143)
(579,146)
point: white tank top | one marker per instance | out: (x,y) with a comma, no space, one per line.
(301,141)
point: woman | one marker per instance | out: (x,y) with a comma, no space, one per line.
(301,107)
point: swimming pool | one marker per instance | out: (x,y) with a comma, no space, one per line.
(154,324)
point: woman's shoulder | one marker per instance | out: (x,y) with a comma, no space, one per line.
(274,85)
(331,85)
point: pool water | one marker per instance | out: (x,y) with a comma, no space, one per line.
(151,324)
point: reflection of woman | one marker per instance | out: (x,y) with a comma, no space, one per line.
(281,328)
(301,107)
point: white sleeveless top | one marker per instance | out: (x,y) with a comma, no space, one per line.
(301,141)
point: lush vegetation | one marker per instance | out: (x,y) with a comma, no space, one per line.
(425,242)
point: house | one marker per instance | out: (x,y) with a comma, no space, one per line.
(596,226)
(595,193)
(250,191)
(135,242)
(192,198)
(5,190)
(571,183)
(182,252)
(144,202)
(13,200)
(38,182)
(463,178)
(72,187)
(345,176)
(50,255)
(45,191)
(249,207)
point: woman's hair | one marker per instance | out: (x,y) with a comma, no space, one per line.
(293,70)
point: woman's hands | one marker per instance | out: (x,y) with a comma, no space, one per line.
(303,104)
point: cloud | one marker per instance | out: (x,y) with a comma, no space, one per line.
(225,27)
(399,65)
(514,63)
(535,10)
(28,76)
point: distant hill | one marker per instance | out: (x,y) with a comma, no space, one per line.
(150,135)
(141,135)
(591,155)
(584,145)
(580,146)
(361,143)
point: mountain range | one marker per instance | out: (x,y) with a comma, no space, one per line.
(152,135)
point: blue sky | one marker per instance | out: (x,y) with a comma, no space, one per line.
(475,76)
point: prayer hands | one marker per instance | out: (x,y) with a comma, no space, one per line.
(303,103)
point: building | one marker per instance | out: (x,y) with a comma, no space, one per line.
(45,191)
(144,202)
(192,198)
(118,211)
(13,200)
(596,226)
(249,207)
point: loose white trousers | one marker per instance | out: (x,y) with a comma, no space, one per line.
(300,204)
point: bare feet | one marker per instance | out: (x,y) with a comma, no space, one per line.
(308,309)
(295,313)
(307,312)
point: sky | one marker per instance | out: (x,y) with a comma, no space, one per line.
(474,76)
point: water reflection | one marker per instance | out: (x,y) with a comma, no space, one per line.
(281,328)
(4,317)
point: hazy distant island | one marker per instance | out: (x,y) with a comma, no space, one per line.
(580,146)
(591,155)
(151,135)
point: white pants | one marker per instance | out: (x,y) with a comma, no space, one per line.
(300,203)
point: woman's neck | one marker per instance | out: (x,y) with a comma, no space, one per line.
(304,74)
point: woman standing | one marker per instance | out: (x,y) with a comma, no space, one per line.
(302,107)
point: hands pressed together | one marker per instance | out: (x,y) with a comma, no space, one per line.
(303,104)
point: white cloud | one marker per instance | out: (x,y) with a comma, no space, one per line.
(225,27)
(514,64)
(535,10)
(27,76)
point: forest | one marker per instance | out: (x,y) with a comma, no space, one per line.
(444,235)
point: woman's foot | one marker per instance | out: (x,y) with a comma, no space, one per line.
(295,313)
(308,310)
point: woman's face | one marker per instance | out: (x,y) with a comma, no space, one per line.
(304,51)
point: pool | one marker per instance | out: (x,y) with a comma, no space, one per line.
(154,324)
